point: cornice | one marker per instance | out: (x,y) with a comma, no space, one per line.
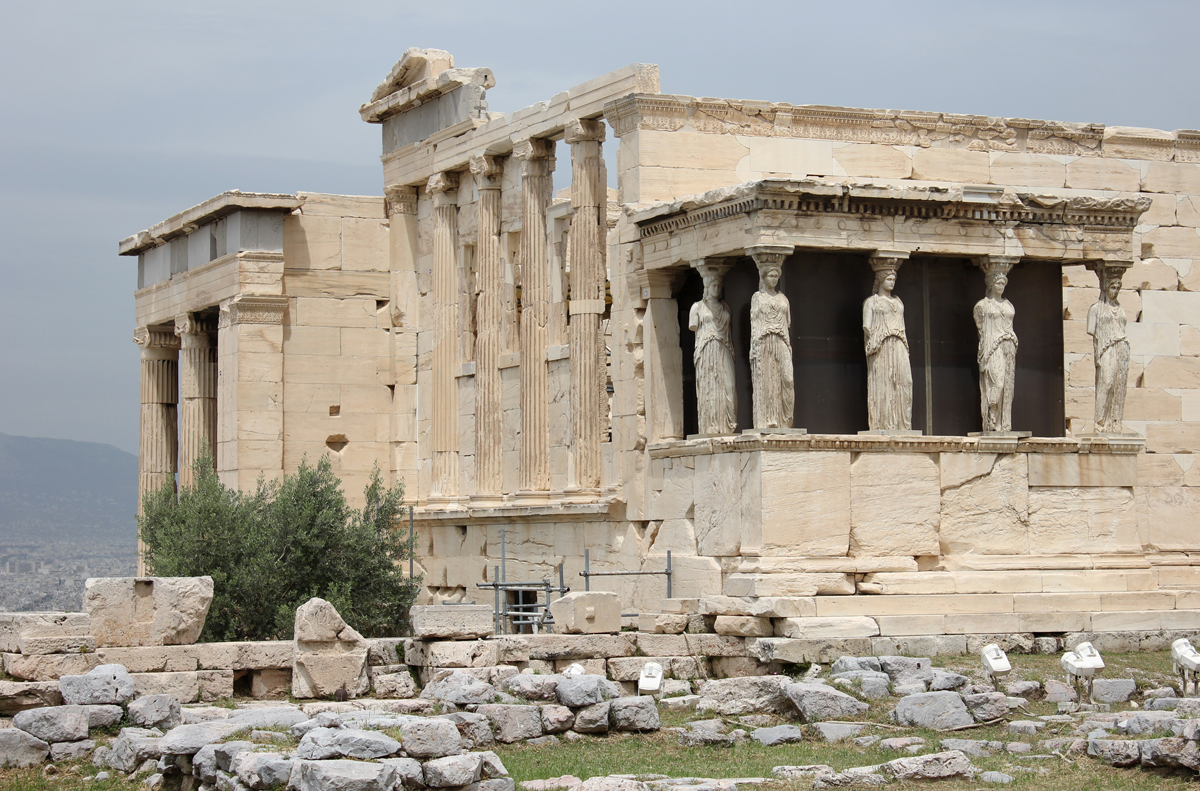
(820,196)
(189,220)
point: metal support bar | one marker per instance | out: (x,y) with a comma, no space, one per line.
(587,572)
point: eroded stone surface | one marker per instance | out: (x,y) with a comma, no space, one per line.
(134,611)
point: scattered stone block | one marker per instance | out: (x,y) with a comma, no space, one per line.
(532,686)
(836,731)
(1025,727)
(682,703)
(820,702)
(935,766)
(634,714)
(188,739)
(592,719)
(155,711)
(1059,692)
(513,723)
(453,770)
(849,779)
(986,706)
(978,749)
(452,621)
(18,748)
(430,738)
(1023,689)
(662,623)
(587,612)
(12,623)
(800,772)
(330,657)
(323,743)
(734,697)
(103,685)
(995,778)
(18,696)
(1113,690)
(850,663)
(103,716)
(586,690)
(134,611)
(459,688)
(937,710)
(943,680)
(743,626)
(1117,752)
(556,719)
(780,734)
(71,751)
(347,775)
(395,685)
(474,728)
(54,724)
(35,640)
(133,747)
(898,743)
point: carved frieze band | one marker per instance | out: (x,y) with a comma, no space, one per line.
(401,200)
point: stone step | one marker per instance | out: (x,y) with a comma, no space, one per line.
(1000,603)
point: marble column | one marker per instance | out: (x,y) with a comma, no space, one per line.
(197,391)
(536,188)
(444,409)
(490,332)
(405,296)
(158,442)
(589,202)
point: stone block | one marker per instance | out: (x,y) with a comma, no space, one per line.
(18,748)
(199,685)
(955,165)
(451,621)
(1173,372)
(47,667)
(984,503)
(54,640)
(1171,177)
(330,656)
(939,710)
(1171,307)
(743,626)
(1064,520)
(661,623)
(903,625)
(826,628)
(858,159)
(895,503)
(105,685)
(1082,469)
(1098,173)
(630,668)
(767,606)
(11,624)
(806,510)
(715,645)
(131,611)
(550,647)
(16,696)
(727,495)
(662,644)
(54,724)
(271,682)
(1027,170)
(587,612)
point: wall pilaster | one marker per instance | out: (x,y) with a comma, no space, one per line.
(405,302)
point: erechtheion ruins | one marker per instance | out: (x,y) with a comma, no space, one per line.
(852,368)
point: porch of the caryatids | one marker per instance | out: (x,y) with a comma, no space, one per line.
(443,187)
(537,165)
(197,391)
(490,332)
(589,202)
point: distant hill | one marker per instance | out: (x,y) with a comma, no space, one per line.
(59,490)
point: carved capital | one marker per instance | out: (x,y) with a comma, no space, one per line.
(1107,271)
(253,309)
(193,330)
(997,264)
(887,260)
(155,338)
(401,199)
(443,182)
(487,171)
(765,255)
(535,156)
(656,283)
(583,131)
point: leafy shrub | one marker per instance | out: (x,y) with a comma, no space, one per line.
(271,550)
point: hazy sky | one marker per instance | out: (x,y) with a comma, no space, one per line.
(116,115)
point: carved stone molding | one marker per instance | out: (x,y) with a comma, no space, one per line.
(401,199)
(252,309)
(581,130)
(887,260)
(443,182)
(487,171)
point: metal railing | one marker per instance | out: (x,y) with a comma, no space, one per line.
(587,572)
(534,614)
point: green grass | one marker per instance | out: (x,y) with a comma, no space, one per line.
(34,780)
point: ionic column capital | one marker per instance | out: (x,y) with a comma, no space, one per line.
(401,199)
(584,131)
(535,155)
(770,254)
(193,330)
(443,187)
(997,264)
(487,171)
(156,343)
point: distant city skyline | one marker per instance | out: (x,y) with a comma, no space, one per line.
(121,114)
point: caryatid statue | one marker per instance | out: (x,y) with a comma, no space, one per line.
(770,342)
(997,345)
(1106,324)
(716,396)
(889,375)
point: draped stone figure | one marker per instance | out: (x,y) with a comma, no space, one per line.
(997,349)
(771,351)
(716,397)
(889,375)
(1106,324)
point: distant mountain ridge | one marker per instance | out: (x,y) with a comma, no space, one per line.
(63,490)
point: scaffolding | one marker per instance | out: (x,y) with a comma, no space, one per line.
(534,614)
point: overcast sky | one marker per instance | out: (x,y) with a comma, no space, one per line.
(116,115)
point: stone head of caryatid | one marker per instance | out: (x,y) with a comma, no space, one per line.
(1110,284)
(885,275)
(714,280)
(769,273)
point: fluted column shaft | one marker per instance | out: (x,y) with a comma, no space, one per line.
(491,329)
(157,439)
(536,188)
(197,391)
(589,202)
(444,429)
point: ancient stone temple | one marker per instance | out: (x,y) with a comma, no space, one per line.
(883,417)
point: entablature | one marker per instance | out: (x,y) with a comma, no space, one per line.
(826,214)
(876,443)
